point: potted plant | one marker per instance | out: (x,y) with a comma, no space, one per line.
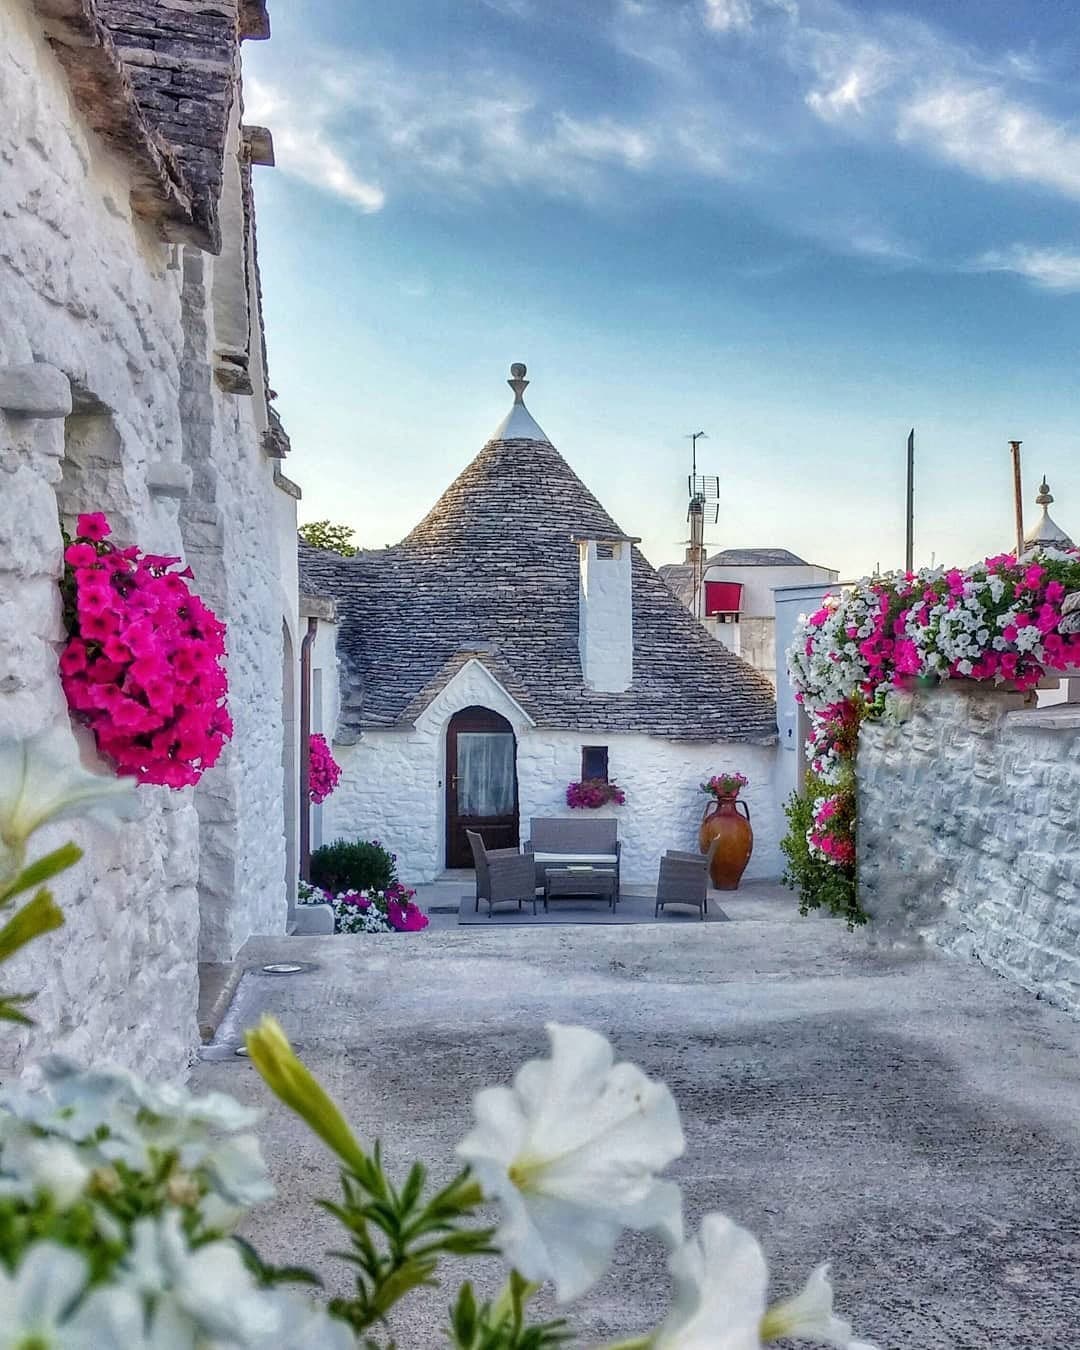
(594,792)
(728,825)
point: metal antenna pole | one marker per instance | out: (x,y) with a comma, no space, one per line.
(1018,496)
(696,516)
(909,552)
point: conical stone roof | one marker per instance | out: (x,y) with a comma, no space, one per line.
(492,572)
(1046,532)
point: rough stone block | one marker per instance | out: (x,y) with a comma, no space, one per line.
(35,390)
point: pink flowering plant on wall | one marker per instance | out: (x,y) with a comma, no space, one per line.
(1000,622)
(142,666)
(591,793)
(323,770)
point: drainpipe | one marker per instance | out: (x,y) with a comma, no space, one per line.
(305,748)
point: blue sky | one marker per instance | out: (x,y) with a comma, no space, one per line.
(800,225)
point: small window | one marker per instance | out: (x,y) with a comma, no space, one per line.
(607,550)
(594,762)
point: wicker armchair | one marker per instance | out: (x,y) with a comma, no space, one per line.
(684,880)
(503,875)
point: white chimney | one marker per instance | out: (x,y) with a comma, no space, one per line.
(605,616)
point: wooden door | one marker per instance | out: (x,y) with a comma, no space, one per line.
(481,783)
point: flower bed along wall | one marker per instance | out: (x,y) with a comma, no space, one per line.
(999,622)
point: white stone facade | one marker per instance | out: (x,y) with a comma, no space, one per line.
(969,834)
(126,321)
(393,785)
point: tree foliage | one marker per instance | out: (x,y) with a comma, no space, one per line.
(333,538)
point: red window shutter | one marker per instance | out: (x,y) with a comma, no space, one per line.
(723,597)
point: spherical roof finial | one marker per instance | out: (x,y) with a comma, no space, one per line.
(518,383)
(1045,496)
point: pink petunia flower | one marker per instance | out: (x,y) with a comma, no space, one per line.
(94,525)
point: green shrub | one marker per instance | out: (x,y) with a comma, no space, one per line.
(819,884)
(353,865)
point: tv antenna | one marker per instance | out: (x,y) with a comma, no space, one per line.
(703,491)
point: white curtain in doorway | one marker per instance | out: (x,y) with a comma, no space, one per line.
(485,769)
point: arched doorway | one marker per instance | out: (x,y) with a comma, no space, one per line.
(481,783)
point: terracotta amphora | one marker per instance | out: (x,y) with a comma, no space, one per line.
(724,821)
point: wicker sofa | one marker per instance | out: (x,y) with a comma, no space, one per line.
(558,841)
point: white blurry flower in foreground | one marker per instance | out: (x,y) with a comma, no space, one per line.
(39,783)
(207,1293)
(30,1164)
(720,1281)
(35,1306)
(721,1278)
(571,1151)
(809,1316)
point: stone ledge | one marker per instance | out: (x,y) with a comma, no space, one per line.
(1057,717)
(287,485)
(318,607)
(217,984)
(35,390)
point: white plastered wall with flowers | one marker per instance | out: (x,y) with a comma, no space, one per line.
(392,786)
(92,302)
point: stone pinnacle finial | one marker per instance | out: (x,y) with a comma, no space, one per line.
(518,383)
(1045,496)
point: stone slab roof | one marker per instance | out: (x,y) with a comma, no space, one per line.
(156,79)
(755,557)
(492,572)
(105,96)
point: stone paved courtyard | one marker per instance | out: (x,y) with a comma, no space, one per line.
(915,1120)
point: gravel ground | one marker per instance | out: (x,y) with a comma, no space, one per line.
(916,1120)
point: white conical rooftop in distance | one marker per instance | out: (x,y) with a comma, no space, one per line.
(518,424)
(1047,531)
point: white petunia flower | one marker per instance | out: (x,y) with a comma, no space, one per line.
(36,1304)
(30,1164)
(721,1278)
(571,1151)
(39,784)
(809,1316)
(208,1291)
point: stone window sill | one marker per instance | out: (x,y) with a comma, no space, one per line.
(1057,717)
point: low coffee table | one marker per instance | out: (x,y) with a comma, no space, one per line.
(579,883)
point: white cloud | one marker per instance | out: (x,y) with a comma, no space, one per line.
(851,75)
(986,134)
(729,16)
(463,132)
(302,150)
(1051,268)
(603,139)
(472,121)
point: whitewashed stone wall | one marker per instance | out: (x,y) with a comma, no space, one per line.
(241,543)
(392,785)
(84,288)
(93,292)
(969,834)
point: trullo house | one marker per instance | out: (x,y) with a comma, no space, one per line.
(517,640)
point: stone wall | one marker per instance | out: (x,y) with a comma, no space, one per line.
(392,785)
(117,324)
(86,289)
(969,834)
